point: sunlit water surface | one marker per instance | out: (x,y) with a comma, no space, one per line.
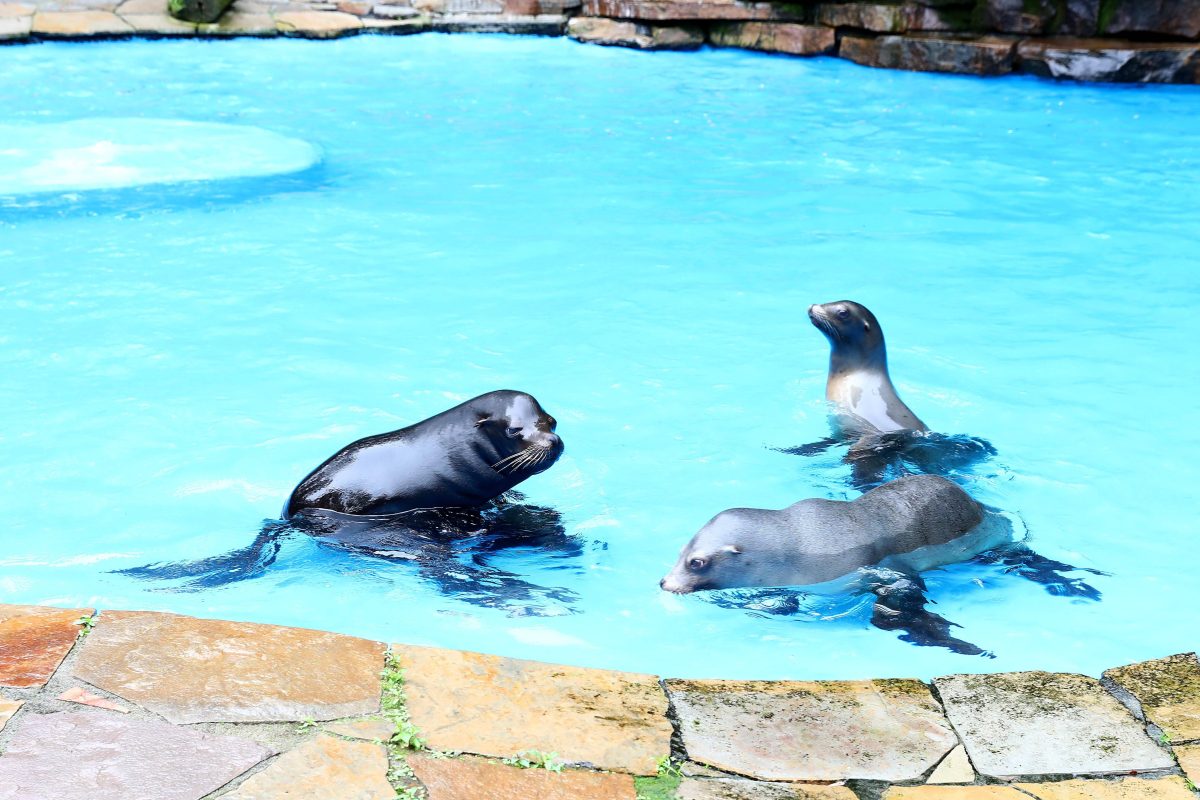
(633,238)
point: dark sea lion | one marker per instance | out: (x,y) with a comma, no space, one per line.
(876,544)
(461,458)
(858,384)
(460,552)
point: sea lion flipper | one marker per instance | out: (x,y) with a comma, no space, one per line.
(1019,559)
(900,605)
(812,448)
(206,573)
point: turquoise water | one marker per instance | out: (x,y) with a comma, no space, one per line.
(632,238)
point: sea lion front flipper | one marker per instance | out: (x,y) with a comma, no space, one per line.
(207,573)
(812,448)
(1019,559)
(900,605)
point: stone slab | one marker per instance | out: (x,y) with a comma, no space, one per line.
(1188,756)
(317,24)
(1029,17)
(395,12)
(82,755)
(199,670)
(1111,60)
(474,703)
(475,779)
(142,7)
(15,27)
(736,789)
(955,768)
(79,24)
(159,24)
(774,37)
(981,56)
(16,10)
(324,768)
(1042,723)
(34,640)
(238,23)
(541,25)
(1125,789)
(86,698)
(7,709)
(371,730)
(1163,17)
(622,33)
(953,793)
(1168,690)
(886,730)
(882,18)
(691,10)
(398,27)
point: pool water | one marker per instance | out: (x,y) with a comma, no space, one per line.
(632,238)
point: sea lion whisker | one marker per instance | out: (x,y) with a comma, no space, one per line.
(502,462)
(513,462)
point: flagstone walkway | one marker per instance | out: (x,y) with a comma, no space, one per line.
(128,705)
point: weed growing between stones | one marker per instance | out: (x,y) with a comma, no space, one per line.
(663,785)
(536,759)
(406,737)
(86,623)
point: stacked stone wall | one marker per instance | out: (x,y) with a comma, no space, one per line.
(1129,41)
(1089,40)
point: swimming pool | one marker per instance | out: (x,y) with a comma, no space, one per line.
(633,238)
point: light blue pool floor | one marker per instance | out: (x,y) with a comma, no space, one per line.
(632,238)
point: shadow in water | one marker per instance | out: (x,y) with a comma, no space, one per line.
(876,459)
(451,549)
(899,601)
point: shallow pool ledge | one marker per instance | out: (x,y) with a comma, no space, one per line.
(188,708)
(1117,41)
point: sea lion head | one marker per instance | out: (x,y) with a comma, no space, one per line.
(850,328)
(519,432)
(715,558)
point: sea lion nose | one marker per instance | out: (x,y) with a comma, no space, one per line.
(662,583)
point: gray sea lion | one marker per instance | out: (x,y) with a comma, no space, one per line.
(911,524)
(461,458)
(878,543)
(858,384)
(886,438)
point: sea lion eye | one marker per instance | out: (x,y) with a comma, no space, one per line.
(843,313)
(697,564)
(513,432)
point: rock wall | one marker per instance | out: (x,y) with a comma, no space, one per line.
(1087,40)
(1127,41)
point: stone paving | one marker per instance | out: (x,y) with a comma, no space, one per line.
(1117,40)
(259,712)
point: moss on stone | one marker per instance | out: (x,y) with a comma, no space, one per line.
(1108,9)
(660,787)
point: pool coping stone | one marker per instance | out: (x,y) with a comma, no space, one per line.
(474,712)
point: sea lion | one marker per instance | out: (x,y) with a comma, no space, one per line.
(461,458)
(878,543)
(858,384)
(911,524)
(886,438)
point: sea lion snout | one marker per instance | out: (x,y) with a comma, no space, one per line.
(672,584)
